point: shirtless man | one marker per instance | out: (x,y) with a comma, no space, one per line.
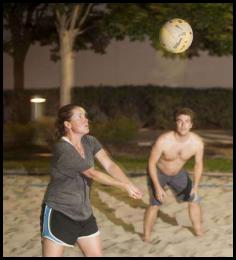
(168,156)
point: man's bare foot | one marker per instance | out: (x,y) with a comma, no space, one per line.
(198,232)
(146,239)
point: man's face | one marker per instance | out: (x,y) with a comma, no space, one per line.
(183,124)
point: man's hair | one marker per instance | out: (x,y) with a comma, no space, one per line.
(184,111)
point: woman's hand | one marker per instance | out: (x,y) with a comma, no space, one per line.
(133,191)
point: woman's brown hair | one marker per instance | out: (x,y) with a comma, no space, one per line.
(64,114)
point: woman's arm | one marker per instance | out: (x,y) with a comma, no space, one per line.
(111,167)
(108,180)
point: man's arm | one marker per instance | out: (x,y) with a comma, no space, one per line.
(152,163)
(154,157)
(198,167)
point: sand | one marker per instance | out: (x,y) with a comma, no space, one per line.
(120,220)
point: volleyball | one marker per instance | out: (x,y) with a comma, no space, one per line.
(176,35)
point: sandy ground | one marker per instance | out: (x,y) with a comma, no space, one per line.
(120,220)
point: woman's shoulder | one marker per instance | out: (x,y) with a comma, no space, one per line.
(90,137)
(92,140)
(60,144)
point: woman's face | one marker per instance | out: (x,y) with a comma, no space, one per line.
(78,123)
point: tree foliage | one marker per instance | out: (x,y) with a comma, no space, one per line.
(89,24)
(212,24)
(20,23)
(28,23)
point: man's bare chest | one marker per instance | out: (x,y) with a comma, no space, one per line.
(177,152)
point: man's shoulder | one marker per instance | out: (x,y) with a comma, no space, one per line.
(167,134)
(164,136)
(197,139)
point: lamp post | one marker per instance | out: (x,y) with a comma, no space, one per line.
(37,107)
(37,111)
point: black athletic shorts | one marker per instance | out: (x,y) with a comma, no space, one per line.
(63,230)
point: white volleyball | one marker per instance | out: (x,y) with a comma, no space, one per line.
(176,35)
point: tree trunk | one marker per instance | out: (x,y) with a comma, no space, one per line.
(67,68)
(18,70)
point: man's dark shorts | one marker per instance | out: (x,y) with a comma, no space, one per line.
(180,184)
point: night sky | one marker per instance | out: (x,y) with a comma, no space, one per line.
(125,63)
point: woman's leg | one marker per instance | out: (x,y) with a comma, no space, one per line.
(50,248)
(90,246)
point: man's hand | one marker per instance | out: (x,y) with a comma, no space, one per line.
(160,194)
(194,195)
(194,191)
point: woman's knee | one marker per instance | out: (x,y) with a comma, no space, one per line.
(98,254)
(50,248)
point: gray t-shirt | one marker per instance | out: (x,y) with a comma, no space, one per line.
(68,189)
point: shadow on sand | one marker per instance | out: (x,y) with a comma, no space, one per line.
(109,212)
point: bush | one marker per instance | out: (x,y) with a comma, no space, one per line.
(118,130)
(33,133)
(17,134)
(44,131)
(152,106)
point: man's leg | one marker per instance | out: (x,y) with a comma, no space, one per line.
(150,216)
(196,217)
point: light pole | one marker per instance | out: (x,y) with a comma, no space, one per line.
(37,107)
(37,112)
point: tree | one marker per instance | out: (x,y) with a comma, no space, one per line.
(20,22)
(139,22)
(212,24)
(71,27)
(72,21)
(58,25)
(78,27)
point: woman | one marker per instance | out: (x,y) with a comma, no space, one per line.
(67,217)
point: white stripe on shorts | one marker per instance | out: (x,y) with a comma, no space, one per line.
(92,235)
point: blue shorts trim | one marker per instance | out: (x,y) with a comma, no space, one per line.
(46,232)
(63,230)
